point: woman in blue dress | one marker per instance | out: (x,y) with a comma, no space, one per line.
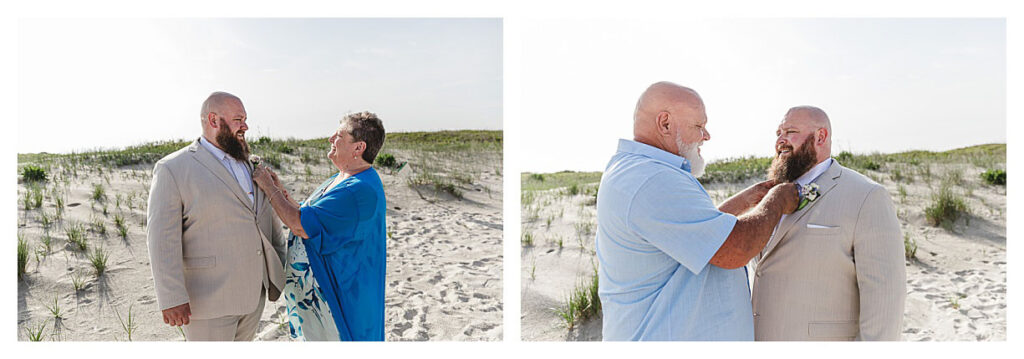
(335,271)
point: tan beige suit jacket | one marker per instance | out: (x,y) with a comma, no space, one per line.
(208,245)
(845,281)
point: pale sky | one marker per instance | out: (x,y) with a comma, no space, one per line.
(887,84)
(101,83)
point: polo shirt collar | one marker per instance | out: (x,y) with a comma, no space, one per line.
(629,146)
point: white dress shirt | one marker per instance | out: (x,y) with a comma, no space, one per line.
(235,167)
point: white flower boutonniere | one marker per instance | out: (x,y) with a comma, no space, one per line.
(808,194)
(255,160)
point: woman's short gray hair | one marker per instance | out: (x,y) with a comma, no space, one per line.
(365,126)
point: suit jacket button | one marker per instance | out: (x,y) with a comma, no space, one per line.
(259,252)
(757,274)
(756,315)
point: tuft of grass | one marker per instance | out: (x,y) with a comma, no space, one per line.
(33,173)
(47,243)
(546,181)
(583,303)
(898,176)
(98,226)
(60,205)
(77,282)
(527,240)
(98,259)
(76,235)
(994,177)
(128,323)
(439,183)
(385,160)
(909,246)
(33,197)
(35,332)
(55,309)
(946,208)
(122,226)
(902,192)
(98,192)
(583,229)
(23,250)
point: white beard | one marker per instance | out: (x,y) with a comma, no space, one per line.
(689,152)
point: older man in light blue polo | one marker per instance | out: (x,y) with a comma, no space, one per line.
(671,262)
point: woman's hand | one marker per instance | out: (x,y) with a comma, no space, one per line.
(266,179)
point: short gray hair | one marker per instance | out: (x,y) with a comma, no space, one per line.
(365,126)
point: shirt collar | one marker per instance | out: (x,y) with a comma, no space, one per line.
(815,172)
(655,153)
(217,152)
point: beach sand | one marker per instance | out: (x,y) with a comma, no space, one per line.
(956,285)
(444,259)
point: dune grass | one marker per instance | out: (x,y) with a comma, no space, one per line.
(75,232)
(77,282)
(35,332)
(23,250)
(909,246)
(128,322)
(55,309)
(541,182)
(582,303)
(33,173)
(98,260)
(995,177)
(946,207)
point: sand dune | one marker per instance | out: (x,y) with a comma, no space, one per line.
(443,263)
(956,285)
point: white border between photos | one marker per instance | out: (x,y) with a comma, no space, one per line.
(513,13)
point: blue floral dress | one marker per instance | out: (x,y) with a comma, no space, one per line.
(309,317)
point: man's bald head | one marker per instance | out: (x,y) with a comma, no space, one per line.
(810,115)
(806,124)
(666,111)
(663,96)
(216,103)
(671,117)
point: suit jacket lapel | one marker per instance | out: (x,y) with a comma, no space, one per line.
(211,163)
(826,182)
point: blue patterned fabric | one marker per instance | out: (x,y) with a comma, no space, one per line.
(346,250)
(309,318)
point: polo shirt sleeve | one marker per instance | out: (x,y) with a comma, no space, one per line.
(673,213)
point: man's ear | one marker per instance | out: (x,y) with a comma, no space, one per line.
(662,122)
(211,120)
(821,136)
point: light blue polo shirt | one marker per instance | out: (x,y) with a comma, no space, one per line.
(656,231)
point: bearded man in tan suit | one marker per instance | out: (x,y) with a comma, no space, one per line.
(833,270)
(215,244)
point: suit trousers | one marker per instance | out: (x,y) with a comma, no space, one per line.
(227,328)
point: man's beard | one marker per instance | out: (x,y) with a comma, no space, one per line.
(230,143)
(795,165)
(690,153)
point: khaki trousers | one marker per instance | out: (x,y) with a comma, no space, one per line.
(227,328)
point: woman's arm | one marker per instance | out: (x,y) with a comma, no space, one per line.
(286,208)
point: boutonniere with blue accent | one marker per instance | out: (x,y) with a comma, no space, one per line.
(808,194)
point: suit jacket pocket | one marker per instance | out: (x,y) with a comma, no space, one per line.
(842,330)
(200,262)
(820,230)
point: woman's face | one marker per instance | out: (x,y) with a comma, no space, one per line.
(344,152)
